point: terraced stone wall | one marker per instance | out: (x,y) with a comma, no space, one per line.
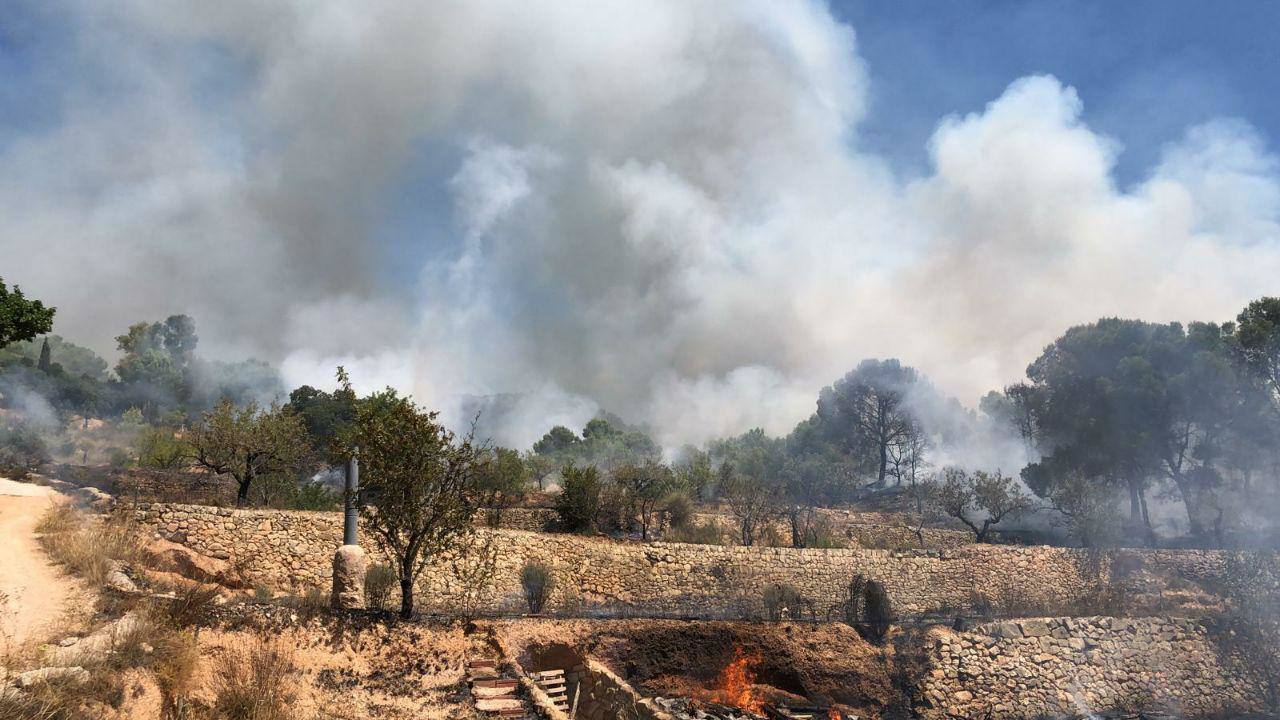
(602,577)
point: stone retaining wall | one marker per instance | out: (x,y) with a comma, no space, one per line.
(596,576)
(855,529)
(1078,666)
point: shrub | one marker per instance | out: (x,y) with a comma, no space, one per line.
(379,581)
(823,535)
(177,657)
(877,612)
(191,606)
(678,510)
(537,581)
(22,450)
(579,501)
(161,448)
(782,601)
(867,608)
(708,532)
(253,683)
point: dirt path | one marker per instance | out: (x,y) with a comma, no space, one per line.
(36,591)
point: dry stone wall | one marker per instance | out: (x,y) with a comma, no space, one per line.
(1079,666)
(602,577)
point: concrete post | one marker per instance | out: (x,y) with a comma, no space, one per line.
(349,562)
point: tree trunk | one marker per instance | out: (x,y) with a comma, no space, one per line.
(884,464)
(242,492)
(406,598)
(1135,507)
(1190,501)
(797,537)
(1146,519)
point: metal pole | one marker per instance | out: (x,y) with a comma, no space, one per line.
(352,495)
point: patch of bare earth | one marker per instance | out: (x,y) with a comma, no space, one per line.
(36,593)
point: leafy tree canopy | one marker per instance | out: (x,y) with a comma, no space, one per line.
(21,318)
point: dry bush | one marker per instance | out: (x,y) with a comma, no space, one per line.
(191,605)
(537,581)
(256,683)
(177,657)
(379,581)
(87,546)
(707,532)
(52,701)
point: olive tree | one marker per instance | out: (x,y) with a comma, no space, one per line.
(419,485)
(989,496)
(249,442)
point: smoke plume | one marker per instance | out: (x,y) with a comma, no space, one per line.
(660,208)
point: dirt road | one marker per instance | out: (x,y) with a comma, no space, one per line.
(33,590)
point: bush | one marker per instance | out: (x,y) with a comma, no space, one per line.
(162,449)
(379,581)
(782,601)
(254,683)
(177,658)
(537,581)
(824,536)
(21,451)
(191,606)
(708,532)
(678,510)
(867,608)
(877,612)
(578,503)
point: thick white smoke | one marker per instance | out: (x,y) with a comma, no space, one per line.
(660,208)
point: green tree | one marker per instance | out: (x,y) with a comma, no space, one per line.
(980,497)
(752,501)
(866,412)
(20,318)
(162,448)
(578,503)
(326,415)
(45,364)
(500,481)
(419,483)
(645,487)
(557,440)
(1258,335)
(155,364)
(249,442)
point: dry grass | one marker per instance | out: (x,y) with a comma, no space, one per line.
(87,546)
(256,683)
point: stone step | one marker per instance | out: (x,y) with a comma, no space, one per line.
(495,705)
(494,692)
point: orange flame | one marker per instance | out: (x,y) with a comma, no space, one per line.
(834,714)
(737,682)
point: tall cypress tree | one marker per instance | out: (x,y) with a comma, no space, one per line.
(44,357)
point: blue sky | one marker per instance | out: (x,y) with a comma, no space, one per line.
(1145,69)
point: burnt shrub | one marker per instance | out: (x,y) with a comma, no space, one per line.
(877,612)
(379,581)
(783,601)
(537,581)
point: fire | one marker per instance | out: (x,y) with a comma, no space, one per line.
(834,714)
(737,682)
